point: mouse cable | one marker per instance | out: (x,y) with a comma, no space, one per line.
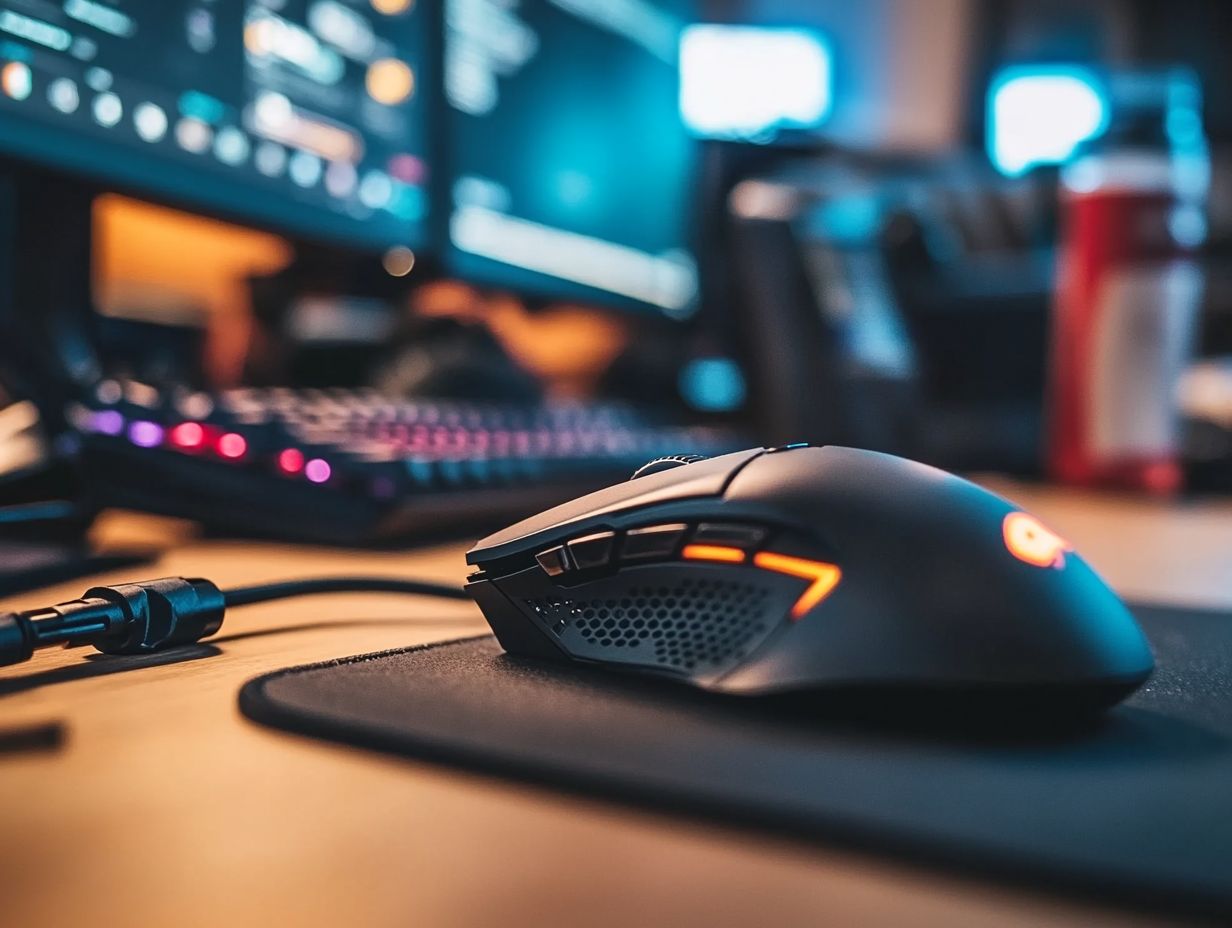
(152,615)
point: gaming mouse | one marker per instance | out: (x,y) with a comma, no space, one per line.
(811,568)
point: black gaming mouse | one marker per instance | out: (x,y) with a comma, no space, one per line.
(806,569)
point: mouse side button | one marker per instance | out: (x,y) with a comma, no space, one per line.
(554,561)
(733,535)
(592,551)
(652,542)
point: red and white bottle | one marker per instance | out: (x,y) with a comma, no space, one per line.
(1128,292)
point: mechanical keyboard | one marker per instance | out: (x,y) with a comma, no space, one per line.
(353,466)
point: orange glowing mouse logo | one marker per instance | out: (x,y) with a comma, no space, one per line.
(1031,543)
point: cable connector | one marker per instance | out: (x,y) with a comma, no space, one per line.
(137,618)
(128,618)
(162,613)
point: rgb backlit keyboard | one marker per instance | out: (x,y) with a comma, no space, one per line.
(352,466)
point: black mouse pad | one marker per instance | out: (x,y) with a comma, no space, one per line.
(1134,808)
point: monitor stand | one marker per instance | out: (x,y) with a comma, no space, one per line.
(47,324)
(48,358)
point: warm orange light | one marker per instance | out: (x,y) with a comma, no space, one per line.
(259,36)
(1033,544)
(398,261)
(825,577)
(713,553)
(16,80)
(389,81)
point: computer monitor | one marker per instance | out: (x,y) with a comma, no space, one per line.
(308,116)
(571,172)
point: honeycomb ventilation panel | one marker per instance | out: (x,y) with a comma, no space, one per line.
(691,625)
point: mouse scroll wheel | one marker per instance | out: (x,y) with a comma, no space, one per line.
(667,462)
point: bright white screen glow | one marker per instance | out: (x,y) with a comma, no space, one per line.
(744,82)
(666,281)
(1040,115)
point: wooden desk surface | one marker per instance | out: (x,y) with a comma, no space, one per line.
(163,806)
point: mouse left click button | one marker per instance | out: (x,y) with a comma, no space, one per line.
(554,561)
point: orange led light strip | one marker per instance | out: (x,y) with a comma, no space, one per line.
(824,576)
(713,553)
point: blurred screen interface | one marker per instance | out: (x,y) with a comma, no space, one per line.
(1040,115)
(573,173)
(307,115)
(745,82)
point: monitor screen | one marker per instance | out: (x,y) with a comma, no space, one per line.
(1040,114)
(571,170)
(748,82)
(302,115)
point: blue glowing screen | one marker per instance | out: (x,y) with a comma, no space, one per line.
(572,173)
(1039,115)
